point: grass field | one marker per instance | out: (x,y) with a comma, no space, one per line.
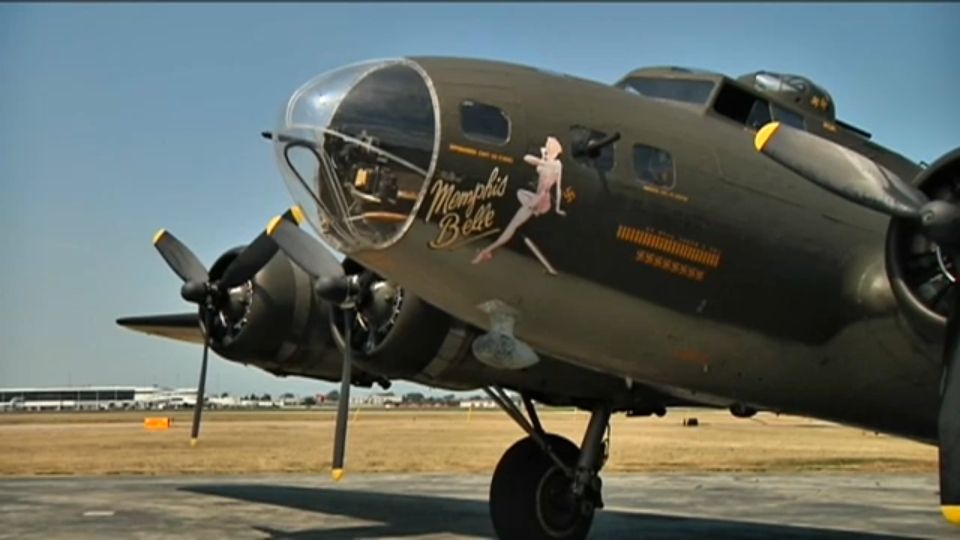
(405,440)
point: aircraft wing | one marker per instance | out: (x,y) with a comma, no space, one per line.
(178,326)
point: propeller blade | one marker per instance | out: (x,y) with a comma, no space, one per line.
(304,250)
(840,170)
(179,257)
(948,421)
(256,255)
(343,406)
(198,406)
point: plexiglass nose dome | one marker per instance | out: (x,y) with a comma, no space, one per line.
(357,147)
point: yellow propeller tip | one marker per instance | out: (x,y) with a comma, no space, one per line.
(951,513)
(158,235)
(297,213)
(274,223)
(193,442)
(765,134)
(336,474)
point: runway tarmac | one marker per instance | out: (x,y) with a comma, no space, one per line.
(657,506)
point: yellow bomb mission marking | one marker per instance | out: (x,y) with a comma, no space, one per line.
(669,246)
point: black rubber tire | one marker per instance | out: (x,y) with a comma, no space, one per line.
(518,507)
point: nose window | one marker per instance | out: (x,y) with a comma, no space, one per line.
(356,146)
(392,109)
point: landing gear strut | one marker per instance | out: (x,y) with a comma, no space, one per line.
(544,487)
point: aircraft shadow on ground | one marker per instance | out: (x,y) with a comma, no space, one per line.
(409,515)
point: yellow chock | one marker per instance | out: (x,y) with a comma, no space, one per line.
(157,423)
(193,442)
(336,474)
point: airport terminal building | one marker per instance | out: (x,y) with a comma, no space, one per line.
(93,398)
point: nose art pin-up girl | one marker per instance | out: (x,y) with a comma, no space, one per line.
(549,171)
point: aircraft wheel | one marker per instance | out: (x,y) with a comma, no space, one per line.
(531,498)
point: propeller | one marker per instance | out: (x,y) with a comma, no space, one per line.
(334,286)
(308,254)
(867,183)
(212,295)
(343,405)
(858,179)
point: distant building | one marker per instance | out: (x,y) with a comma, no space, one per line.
(223,401)
(388,400)
(80,397)
(478,403)
(291,401)
(60,398)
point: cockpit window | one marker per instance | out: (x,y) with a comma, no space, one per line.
(742,107)
(580,137)
(759,114)
(776,82)
(788,117)
(484,123)
(686,90)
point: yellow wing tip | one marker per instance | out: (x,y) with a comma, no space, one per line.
(193,442)
(158,235)
(274,223)
(951,513)
(765,134)
(297,214)
(336,474)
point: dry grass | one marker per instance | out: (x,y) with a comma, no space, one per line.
(433,441)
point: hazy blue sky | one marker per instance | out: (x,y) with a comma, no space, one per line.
(118,119)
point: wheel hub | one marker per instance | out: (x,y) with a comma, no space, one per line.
(557,506)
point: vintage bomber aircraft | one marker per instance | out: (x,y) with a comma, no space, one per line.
(665,240)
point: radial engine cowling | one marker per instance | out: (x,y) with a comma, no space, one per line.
(395,334)
(275,322)
(923,276)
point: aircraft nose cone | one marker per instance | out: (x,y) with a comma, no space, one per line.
(356,146)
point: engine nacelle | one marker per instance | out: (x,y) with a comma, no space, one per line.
(404,337)
(277,323)
(400,334)
(922,277)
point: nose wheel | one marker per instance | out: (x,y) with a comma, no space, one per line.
(544,487)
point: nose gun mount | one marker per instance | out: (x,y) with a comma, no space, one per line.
(357,147)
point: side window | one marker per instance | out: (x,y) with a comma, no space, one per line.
(484,123)
(759,115)
(788,117)
(579,138)
(742,107)
(654,166)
